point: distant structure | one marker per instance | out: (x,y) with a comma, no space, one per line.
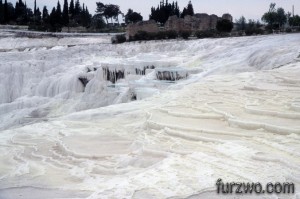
(148,26)
(198,22)
(227,16)
(293,10)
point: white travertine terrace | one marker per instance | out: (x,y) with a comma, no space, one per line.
(238,119)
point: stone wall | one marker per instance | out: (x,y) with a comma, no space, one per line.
(175,23)
(198,22)
(148,26)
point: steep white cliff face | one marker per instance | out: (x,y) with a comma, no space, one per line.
(66,130)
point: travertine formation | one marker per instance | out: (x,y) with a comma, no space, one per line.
(198,22)
(236,117)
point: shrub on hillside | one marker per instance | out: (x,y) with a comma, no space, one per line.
(224,34)
(249,31)
(205,34)
(241,33)
(288,30)
(185,34)
(141,35)
(172,34)
(224,25)
(118,39)
(253,31)
(259,31)
(161,35)
(151,36)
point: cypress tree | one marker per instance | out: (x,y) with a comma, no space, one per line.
(82,16)
(38,16)
(190,9)
(88,17)
(85,16)
(34,11)
(65,14)
(1,12)
(58,16)
(45,14)
(177,10)
(77,8)
(164,11)
(72,8)
(18,11)
(52,19)
(52,14)
(6,19)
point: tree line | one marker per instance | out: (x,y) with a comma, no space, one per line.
(71,15)
(160,14)
(276,18)
(165,9)
(74,14)
(113,12)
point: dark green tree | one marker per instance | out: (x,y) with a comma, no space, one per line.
(37,16)
(275,18)
(253,27)
(184,13)
(133,17)
(58,16)
(82,16)
(294,21)
(117,13)
(281,17)
(98,22)
(55,19)
(45,15)
(65,14)
(163,11)
(35,19)
(108,11)
(29,16)
(189,10)
(5,11)
(72,8)
(20,13)
(88,16)
(224,25)
(176,10)
(34,10)
(100,11)
(78,8)
(129,12)
(270,16)
(54,23)
(1,12)
(52,18)
(241,23)
(112,11)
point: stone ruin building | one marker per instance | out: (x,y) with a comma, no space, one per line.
(198,22)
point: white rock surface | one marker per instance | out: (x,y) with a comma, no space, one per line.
(238,120)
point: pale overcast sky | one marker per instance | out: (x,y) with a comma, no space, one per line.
(251,9)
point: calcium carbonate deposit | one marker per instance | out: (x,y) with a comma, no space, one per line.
(82,118)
